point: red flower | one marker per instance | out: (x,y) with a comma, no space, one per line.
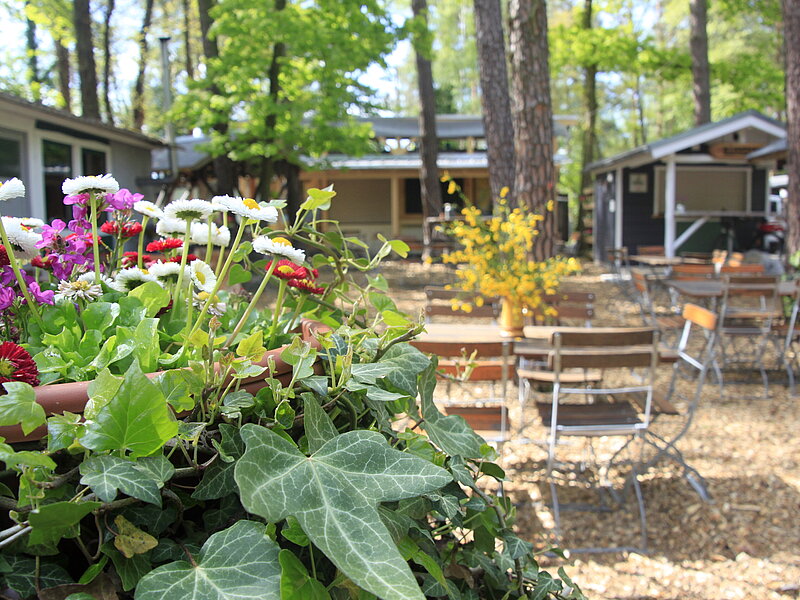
(43,263)
(164,245)
(129,228)
(306,285)
(16,364)
(286,269)
(189,258)
(4,262)
(131,259)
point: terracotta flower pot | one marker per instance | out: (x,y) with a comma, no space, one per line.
(72,397)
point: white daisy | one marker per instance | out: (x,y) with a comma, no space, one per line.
(188,210)
(78,290)
(13,188)
(148,209)
(31,222)
(131,278)
(202,276)
(22,239)
(166,272)
(278,247)
(220,236)
(217,205)
(89,278)
(249,208)
(166,227)
(105,184)
(215,309)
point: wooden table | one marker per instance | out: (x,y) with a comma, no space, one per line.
(655,260)
(715,288)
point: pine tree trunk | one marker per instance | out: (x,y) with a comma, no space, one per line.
(87,69)
(187,39)
(494,95)
(224,169)
(429,143)
(64,73)
(34,78)
(138,88)
(107,63)
(532,115)
(590,106)
(698,45)
(791,20)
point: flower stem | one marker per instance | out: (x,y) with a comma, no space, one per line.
(184,254)
(140,248)
(219,260)
(220,278)
(18,274)
(208,245)
(253,302)
(276,313)
(95,239)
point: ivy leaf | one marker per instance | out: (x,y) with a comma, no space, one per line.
(318,199)
(62,430)
(22,578)
(130,540)
(252,347)
(451,433)
(408,362)
(218,478)
(18,406)
(237,563)
(51,522)
(341,484)
(136,420)
(296,584)
(238,274)
(130,570)
(318,424)
(106,474)
(178,386)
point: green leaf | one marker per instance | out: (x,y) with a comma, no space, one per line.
(407,363)
(294,533)
(62,430)
(252,347)
(395,319)
(235,564)
(51,522)
(22,578)
(101,390)
(136,420)
(318,425)
(130,540)
(147,348)
(18,406)
(93,571)
(28,458)
(342,483)
(100,315)
(411,551)
(370,372)
(296,583)
(238,274)
(318,199)
(218,479)
(130,570)
(450,433)
(152,296)
(179,386)
(301,356)
(399,246)
(106,474)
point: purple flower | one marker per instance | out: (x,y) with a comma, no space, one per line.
(80,212)
(41,296)
(51,234)
(82,199)
(7,277)
(122,200)
(7,296)
(62,269)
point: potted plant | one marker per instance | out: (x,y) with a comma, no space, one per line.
(224,448)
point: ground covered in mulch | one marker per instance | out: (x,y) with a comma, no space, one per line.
(743,544)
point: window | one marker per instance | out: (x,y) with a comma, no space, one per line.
(57,163)
(413,204)
(93,161)
(706,189)
(11,145)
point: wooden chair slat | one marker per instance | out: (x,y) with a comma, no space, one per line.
(603,359)
(609,337)
(440,310)
(700,316)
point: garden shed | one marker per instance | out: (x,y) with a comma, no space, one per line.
(42,146)
(694,191)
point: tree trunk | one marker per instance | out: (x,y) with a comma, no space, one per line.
(87,70)
(590,106)
(34,79)
(698,45)
(791,20)
(267,162)
(224,168)
(64,73)
(532,115)
(187,37)
(138,88)
(494,95)
(429,144)
(107,63)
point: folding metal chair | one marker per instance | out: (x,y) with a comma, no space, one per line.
(627,362)
(667,323)
(749,307)
(466,368)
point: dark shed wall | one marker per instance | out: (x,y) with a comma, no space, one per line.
(638,225)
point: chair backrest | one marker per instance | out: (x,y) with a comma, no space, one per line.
(650,250)
(744,269)
(565,308)
(697,257)
(439,303)
(692,271)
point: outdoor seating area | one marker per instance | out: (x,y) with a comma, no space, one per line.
(618,438)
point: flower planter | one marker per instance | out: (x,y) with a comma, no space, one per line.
(73,396)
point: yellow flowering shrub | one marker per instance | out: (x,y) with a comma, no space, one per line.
(494,257)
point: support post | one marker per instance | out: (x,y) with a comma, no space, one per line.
(394,187)
(618,189)
(669,208)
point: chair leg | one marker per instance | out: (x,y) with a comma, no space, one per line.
(642,515)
